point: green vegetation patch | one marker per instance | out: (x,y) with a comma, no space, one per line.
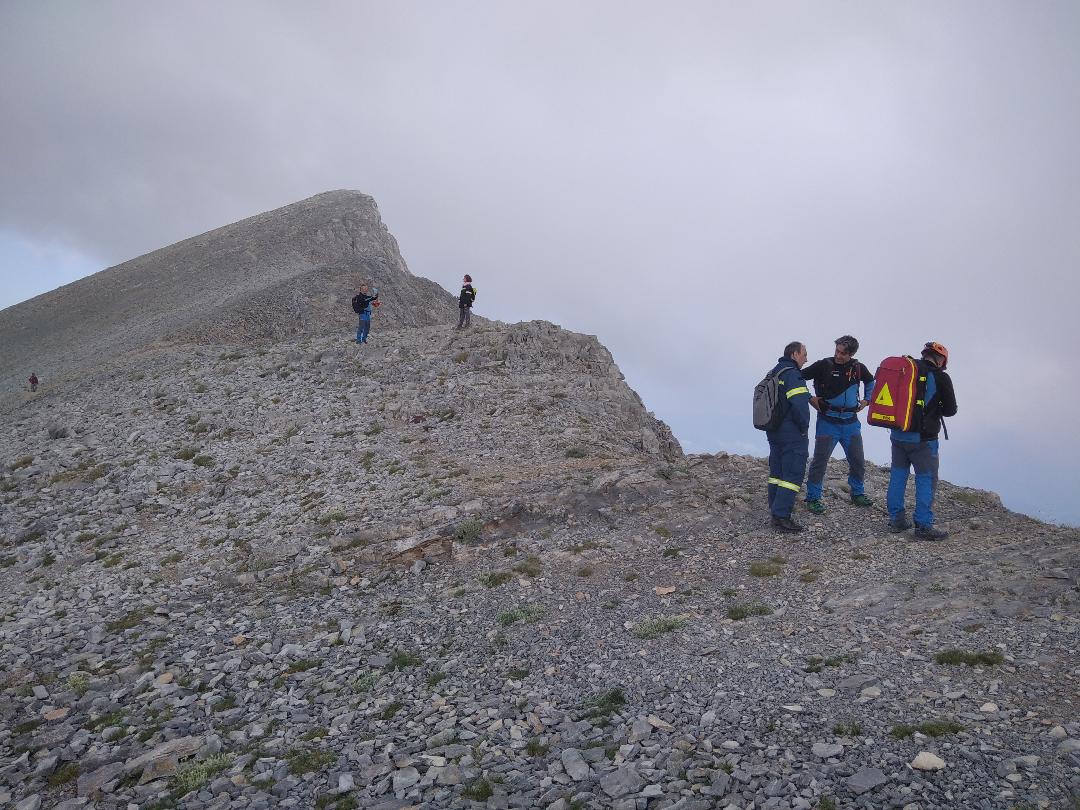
(530,567)
(744,611)
(529,614)
(64,775)
(603,704)
(930,728)
(762,568)
(131,619)
(468,532)
(654,628)
(986,658)
(496,578)
(404,660)
(301,762)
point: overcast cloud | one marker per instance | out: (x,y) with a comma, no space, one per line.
(695,182)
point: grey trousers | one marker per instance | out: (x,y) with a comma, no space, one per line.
(463,318)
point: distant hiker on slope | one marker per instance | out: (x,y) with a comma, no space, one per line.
(362,304)
(836,384)
(918,446)
(787,429)
(33,381)
(465,301)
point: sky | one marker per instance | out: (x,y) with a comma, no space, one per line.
(696,183)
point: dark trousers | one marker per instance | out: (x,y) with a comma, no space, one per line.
(787,466)
(463,318)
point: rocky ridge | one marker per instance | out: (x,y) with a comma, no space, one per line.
(286,272)
(469,568)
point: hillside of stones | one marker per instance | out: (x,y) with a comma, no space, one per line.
(469,569)
(286,272)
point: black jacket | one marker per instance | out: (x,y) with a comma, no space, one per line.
(942,403)
(468,295)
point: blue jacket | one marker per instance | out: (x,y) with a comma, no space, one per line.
(796,398)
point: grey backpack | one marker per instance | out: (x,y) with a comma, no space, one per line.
(768,402)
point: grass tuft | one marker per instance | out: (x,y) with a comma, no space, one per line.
(987,658)
(654,628)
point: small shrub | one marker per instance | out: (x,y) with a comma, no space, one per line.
(663,531)
(363,683)
(129,620)
(530,567)
(461,357)
(765,569)
(630,576)
(575,452)
(303,665)
(203,461)
(529,614)
(468,532)
(605,703)
(669,553)
(435,678)
(744,611)
(186,454)
(19,463)
(496,578)
(172,559)
(404,660)
(478,791)
(314,734)
(536,748)
(63,775)
(301,762)
(848,728)
(79,683)
(585,571)
(988,658)
(518,674)
(390,710)
(930,728)
(27,727)
(654,628)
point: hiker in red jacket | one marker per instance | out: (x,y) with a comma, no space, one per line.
(33,381)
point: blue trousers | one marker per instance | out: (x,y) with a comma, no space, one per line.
(787,466)
(363,329)
(923,456)
(849,436)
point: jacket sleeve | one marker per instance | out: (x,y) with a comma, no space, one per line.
(946,394)
(798,397)
(810,372)
(868,383)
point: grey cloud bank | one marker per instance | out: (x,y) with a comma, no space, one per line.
(696,184)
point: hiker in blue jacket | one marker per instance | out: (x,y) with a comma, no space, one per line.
(836,385)
(919,448)
(788,444)
(361,304)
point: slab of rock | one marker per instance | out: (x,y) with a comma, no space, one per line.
(575,765)
(173,749)
(826,750)
(865,780)
(621,782)
(91,783)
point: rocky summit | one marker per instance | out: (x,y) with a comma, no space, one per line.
(268,567)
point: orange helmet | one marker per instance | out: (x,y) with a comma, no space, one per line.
(937,348)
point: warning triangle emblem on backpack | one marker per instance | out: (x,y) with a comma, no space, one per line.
(884,397)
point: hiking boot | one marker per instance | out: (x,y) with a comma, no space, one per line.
(861,500)
(930,533)
(817,507)
(901,524)
(786,525)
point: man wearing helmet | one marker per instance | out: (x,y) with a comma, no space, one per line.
(918,448)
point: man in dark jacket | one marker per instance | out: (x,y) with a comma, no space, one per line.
(465,301)
(919,448)
(362,303)
(788,444)
(836,384)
